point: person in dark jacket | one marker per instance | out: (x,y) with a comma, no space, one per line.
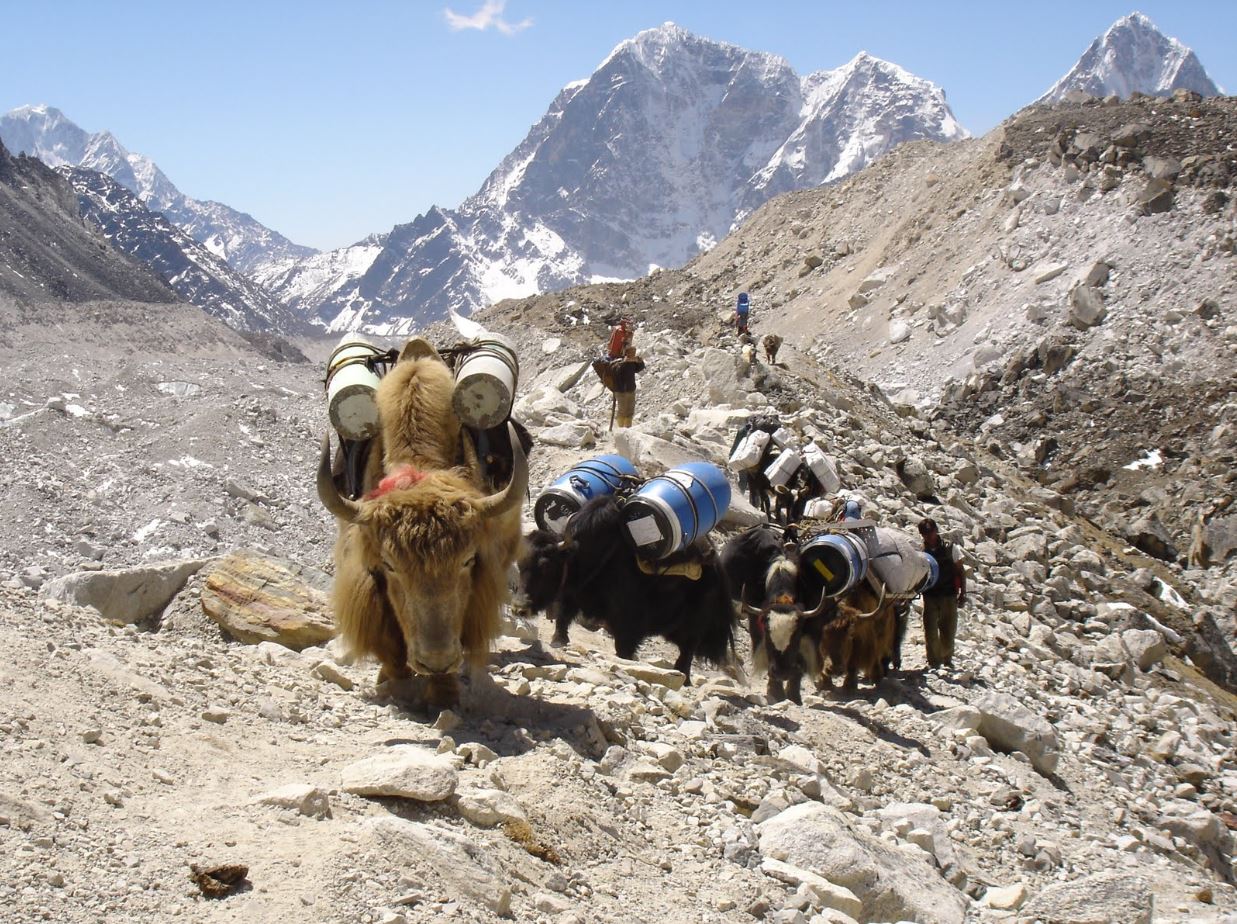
(625,370)
(941,600)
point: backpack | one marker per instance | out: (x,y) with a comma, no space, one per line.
(605,371)
(618,340)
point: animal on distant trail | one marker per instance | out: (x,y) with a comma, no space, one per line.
(421,560)
(591,571)
(772,343)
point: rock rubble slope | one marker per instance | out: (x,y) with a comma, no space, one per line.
(1074,765)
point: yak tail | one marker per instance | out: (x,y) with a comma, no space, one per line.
(716,642)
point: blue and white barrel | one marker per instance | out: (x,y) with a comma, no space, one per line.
(673,510)
(591,478)
(837,561)
(934,574)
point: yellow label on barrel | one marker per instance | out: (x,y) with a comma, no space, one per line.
(819,565)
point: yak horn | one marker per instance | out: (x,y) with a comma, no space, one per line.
(513,494)
(332,500)
(746,608)
(820,607)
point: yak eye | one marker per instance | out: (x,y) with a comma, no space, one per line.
(469,562)
(388,563)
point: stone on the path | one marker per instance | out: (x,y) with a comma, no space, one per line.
(574,434)
(303,797)
(488,807)
(129,595)
(1146,647)
(890,884)
(1086,307)
(462,863)
(899,331)
(825,893)
(1008,725)
(406,771)
(651,454)
(660,676)
(255,598)
(1104,898)
(1009,898)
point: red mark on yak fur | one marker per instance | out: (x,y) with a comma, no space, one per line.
(405,476)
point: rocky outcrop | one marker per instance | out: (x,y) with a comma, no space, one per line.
(255,598)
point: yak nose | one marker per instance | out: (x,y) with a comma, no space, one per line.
(445,662)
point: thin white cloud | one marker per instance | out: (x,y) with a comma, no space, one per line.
(490,16)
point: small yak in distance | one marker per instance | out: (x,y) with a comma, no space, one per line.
(422,559)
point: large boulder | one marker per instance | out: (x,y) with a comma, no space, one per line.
(890,884)
(129,595)
(463,864)
(405,771)
(721,375)
(255,598)
(1010,726)
(1105,898)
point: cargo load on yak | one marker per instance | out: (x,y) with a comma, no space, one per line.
(486,371)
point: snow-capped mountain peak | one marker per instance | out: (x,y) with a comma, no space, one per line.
(1133,56)
(670,142)
(46,133)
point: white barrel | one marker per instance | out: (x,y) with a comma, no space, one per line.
(783,467)
(485,382)
(350,384)
(749,452)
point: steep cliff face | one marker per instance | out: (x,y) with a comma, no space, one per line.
(48,252)
(652,159)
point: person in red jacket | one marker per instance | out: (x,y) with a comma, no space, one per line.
(941,600)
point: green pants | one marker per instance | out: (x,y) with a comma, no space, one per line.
(624,407)
(940,624)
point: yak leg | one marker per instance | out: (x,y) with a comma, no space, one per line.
(684,663)
(774,692)
(563,617)
(793,689)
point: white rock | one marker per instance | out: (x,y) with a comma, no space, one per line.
(303,797)
(407,771)
(1009,898)
(127,596)
(489,807)
(465,866)
(1146,647)
(899,331)
(649,674)
(1008,725)
(824,893)
(890,885)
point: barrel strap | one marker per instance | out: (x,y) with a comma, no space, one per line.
(371,362)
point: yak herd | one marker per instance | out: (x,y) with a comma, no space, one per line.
(425,550)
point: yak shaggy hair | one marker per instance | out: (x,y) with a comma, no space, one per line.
(856,641)
(435,519)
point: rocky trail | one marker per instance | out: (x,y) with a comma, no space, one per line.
(1075,764)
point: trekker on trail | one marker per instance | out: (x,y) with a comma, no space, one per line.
(741,312)
(941,600)
(625,370)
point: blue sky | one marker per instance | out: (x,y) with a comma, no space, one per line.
(330,121)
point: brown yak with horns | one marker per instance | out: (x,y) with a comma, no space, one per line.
(421,561)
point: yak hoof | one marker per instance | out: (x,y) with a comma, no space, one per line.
(560,640)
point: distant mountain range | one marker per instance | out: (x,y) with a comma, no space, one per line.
(244,242)
(1133,56)
(672,141)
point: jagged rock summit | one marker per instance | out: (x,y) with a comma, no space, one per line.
(1133,56)
(46,133)
(657,155)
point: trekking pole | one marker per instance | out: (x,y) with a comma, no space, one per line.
(613,407)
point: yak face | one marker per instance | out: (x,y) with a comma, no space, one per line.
(425,541)
(434,544)
(542,570)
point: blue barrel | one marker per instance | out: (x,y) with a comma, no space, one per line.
(934,574)
(673,510)
(836,561)
(591,478)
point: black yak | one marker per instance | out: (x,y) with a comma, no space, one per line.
(593,572)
